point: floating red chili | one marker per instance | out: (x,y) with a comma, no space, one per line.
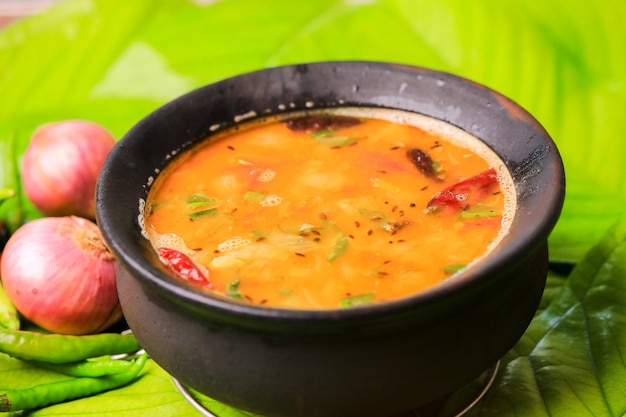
(183,266)
(469,191)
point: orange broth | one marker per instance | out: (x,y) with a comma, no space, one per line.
(329,211)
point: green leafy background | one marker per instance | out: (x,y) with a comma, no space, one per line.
(113,61)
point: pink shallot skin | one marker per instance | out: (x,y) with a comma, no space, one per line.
(61,166)
(59,275)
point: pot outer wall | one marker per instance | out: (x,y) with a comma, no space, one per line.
(370,361)
(349,372)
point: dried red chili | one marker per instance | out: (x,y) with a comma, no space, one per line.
(469,191)
(424,163)
(184,267)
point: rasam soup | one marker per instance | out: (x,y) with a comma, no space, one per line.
(328,210)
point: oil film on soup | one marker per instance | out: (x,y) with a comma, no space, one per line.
(328,210)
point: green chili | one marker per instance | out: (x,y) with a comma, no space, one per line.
(203,213)
(254,195)
(328,138)
(358,300)
(66,390)
(9,318)
(232,290)
(200,200)
(6,193)
(479,215)
(57,348)
(454,268)
(341,245)
(88,368)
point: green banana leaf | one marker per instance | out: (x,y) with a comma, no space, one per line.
(570,361)
(114,61)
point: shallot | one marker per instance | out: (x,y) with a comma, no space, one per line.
(60,275)
(61,165)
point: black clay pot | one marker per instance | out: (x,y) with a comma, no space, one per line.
(369,361)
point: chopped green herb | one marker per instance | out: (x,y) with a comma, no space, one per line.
(285,291)
(467,215)
(340,248)
(374,215)
(232,290)
(383,223)
(259,234)
(308,228)
(322,133)
(393,227)
(439,171)
(289,228)
(203,213)
(327,137)
(254,195)
(293,242)
(379,271)
(452,269)
(156,205)
(358,300)
(200,200)
(478,211)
